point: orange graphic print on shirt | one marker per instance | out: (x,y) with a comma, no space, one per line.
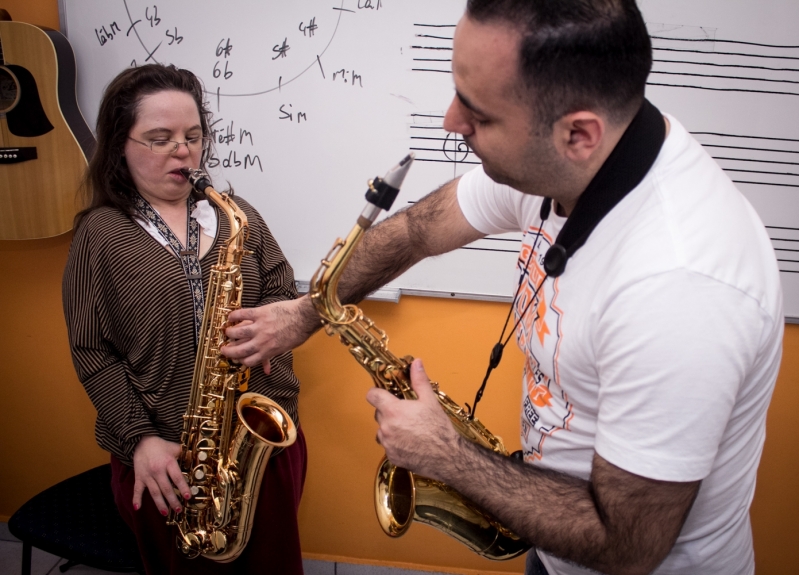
(546,409)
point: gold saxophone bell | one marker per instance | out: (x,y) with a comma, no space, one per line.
(401,496)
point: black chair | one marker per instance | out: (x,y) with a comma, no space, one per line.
(77,520)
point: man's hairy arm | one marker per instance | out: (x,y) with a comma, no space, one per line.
(614,522)
(433,226)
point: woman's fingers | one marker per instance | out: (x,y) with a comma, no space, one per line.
(138,489)
(178,480)
(155,493)
(167,490)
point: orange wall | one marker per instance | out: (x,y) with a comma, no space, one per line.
(47,427)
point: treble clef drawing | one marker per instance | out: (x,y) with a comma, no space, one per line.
(455,148)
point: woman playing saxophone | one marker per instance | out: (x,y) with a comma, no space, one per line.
(137,274)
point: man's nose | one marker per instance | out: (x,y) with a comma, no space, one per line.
(456,119)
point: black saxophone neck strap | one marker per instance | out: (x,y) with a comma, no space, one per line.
(625,168)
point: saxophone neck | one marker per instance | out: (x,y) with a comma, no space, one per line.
(239,229)
(324,283)
(379,197)
(233,249)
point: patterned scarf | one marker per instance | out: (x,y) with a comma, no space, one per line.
(189,257)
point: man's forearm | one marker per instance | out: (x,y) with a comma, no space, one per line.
(383,254)
(391,247)
(432,226)
(611,523)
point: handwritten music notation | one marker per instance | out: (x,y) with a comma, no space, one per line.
(434,144)
(707,63)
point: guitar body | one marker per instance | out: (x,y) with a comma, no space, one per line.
(45,143)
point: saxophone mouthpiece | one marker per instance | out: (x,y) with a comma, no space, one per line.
(197,178)
(396,175)
(383,191)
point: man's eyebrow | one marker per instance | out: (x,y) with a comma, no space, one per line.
(465,101)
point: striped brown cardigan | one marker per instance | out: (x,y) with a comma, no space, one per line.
(129,316)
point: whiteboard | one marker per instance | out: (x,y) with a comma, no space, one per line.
(311,98)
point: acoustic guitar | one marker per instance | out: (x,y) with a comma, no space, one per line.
(45,143)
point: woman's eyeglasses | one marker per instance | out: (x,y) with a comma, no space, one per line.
(171,146)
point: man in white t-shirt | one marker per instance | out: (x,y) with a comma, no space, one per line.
(650,360)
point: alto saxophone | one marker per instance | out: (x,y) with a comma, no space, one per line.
(225,444)
(400,495)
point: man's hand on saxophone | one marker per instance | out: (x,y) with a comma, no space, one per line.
(416,435)
(386,251)
(261,333)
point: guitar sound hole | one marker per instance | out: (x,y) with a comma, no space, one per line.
(9,91)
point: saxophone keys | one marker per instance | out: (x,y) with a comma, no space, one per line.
(218,541)
(199,498)
(219,504)
(205,446)
(190,545)
(201,473)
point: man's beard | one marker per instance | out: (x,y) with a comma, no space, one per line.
(539,171)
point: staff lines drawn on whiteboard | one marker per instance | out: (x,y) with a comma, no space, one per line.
(723,41)
(485,245)
(786,245)
(741,158)
(704,68)
(727,77)
(715,64)
(217,93)
(434,44)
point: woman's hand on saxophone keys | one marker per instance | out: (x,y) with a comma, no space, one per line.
(416,434)
(156,468)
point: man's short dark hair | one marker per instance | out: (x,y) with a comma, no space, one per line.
(576,54)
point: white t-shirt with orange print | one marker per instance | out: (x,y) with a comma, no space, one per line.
(658,347)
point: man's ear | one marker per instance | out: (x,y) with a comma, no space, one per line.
(578,135)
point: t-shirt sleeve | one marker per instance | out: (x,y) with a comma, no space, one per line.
(668,380)
(493,208)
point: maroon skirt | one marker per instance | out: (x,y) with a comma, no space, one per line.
(274,545)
